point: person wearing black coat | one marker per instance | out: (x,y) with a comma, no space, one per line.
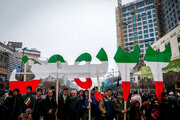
(37,108)
(28,97)
(75,107)
(63,105)
(13,106)
(166,108)
(49,106)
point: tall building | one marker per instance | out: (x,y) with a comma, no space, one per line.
(136,25)
(168,15)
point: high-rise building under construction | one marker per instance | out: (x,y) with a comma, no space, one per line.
(136,25)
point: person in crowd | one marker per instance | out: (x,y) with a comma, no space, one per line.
(134,113)
(119,107)
(28,99)
(85,105)
(136,96)
(145,108)
(37,109)
(177,109)
(155,110)
(81,97)
(166,108)
(49,106)
(106,106)
(1,103)
(13,106)
(74,106)
(54,91)
(96,114)
(27,115)
(63,105)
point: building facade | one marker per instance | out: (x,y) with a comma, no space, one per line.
(136,25)
(168,15)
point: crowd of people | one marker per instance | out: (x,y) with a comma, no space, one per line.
(75,105)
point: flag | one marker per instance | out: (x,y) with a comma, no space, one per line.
(27,101)
(125,62)
(98,96)
(156,61)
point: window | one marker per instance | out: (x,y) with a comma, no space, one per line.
(131,48)
(145,31)
(135,38)
(156,33)
(136,42)
(150,30)
(135,33)
(130,39)
(130,35)
(147,8)
(134,25)
(141,46)
(134,21)
(125,27)
(149,17)
(144,22)
(139,28)
(139,19)
(152,34)
(135,29)
(129,26)
(140,32)
(140,37)
(150,21)
(144,18)
(151,25)
(133,17)
(146,36)
(178,39)
(125,31)
(145,27)
(147,45)
(136,11)
(126,40)
(157,38)
(130,30)
(139,24)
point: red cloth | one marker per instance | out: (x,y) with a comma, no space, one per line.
(85,85)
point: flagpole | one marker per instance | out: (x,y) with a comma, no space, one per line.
(25,65)
(125,109)
(89,97)
(98,81)
(57,83)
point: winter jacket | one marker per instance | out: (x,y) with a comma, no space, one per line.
(48,104)
(75,108)
(118,107)
(37,109)
(63,107)
(106,108)
(13,107)
(31,104)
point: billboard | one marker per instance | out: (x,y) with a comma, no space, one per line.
(15,44)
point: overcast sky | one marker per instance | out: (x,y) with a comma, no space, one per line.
(65,27)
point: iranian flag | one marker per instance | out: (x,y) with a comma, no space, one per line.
(32,52)
(156,61)
(126,61)
(27,101)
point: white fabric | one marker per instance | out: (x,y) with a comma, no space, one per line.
(70,71)
(124,69)
(156,69)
